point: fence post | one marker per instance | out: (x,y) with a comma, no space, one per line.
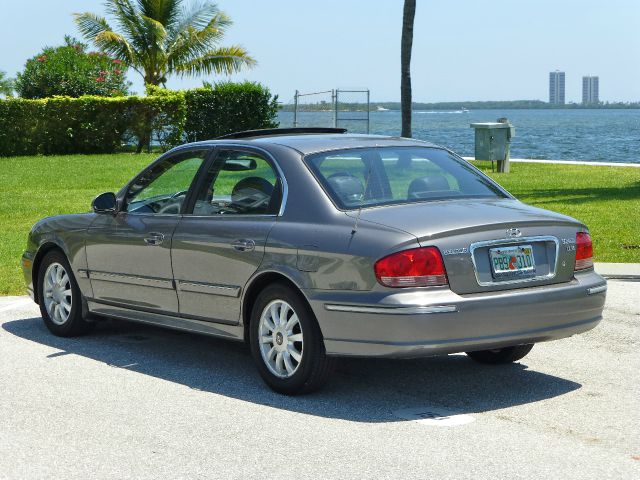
(334,98)
(368,111)
(295,109)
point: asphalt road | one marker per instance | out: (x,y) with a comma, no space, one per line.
(131,401)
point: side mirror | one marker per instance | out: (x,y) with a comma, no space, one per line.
(105,203)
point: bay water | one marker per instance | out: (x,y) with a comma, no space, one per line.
(611,135)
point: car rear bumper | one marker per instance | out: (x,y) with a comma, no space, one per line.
(392,323)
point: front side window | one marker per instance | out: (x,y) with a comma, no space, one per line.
(164,187)
(390,175)
(239,182)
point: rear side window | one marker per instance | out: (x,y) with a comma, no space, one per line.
(389,175)
(239,183)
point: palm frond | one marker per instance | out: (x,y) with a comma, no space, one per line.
(128,19)
(91,25)
(117,46)
(197,16)
(167,12)
(192,43)
(222,60)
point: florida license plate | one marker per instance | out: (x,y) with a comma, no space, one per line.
(515,261)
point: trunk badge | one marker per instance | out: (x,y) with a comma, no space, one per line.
(513,233)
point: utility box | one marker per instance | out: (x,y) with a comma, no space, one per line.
(493,141)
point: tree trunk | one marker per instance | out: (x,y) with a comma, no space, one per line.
(406,43)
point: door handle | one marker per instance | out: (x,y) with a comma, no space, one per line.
(243,245)
(154,239)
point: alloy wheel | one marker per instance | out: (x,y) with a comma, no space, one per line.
(281,339)
(57,293)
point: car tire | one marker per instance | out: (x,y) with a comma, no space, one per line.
(289,352)
(60,298)
(501,355)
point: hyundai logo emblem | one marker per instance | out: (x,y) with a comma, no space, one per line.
(513,232)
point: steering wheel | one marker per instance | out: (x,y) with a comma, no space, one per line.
(173,205)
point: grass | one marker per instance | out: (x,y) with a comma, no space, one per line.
(607,199)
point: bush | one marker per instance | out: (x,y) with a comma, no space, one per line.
(89,124)
(227,107)
(94,124)
(19,126)
(160,117)
(71,71)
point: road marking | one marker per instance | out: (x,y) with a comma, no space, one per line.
(12,306)
(434,416)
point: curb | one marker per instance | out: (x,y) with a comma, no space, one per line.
(620,271)
(569,162)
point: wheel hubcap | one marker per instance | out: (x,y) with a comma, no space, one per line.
(281,342)
(57,293)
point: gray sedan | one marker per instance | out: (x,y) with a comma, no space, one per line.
(311,244)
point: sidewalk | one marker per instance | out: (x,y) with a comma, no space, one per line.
(619,270)
(569,162)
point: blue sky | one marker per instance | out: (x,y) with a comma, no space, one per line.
(463,49)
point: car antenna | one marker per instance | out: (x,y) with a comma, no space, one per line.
(366,186)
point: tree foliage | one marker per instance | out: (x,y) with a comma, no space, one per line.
(158,38)
(70,70)
(6,84)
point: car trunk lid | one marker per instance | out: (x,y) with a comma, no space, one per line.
(468,231)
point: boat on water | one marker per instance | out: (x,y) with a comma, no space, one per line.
(381,109)
(464,110)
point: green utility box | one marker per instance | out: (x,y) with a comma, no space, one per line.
(493,141)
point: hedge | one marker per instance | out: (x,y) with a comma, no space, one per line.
(91,124)
(228,107)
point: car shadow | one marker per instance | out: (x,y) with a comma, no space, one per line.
(361,390)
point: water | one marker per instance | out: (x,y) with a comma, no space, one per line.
(591,135)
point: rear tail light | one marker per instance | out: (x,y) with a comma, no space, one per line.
(584,251)
(418,267)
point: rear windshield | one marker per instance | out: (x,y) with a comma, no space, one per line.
(388,175)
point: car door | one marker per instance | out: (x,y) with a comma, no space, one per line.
(221,243)
(129,254)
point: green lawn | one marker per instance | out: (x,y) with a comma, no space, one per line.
(605,198)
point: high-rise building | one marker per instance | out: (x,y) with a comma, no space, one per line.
(590,87)
(556,87)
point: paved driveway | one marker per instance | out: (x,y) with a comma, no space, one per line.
(131,401)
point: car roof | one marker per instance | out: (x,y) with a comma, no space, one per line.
(313,143)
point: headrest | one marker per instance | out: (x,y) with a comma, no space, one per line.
(348,187)
(425,186)
(250,190)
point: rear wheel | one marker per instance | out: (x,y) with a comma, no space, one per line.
(60,297)
(286,342)
(501,355)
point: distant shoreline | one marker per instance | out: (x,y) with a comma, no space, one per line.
(471,105)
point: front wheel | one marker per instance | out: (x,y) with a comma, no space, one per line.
(286,342)
(501,355)
(60,298)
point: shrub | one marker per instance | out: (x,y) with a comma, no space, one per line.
(89,124)
(71,71)
(160,117)
(95,124)
(19,126)
(227,107)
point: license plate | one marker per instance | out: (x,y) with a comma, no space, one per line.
(512,261)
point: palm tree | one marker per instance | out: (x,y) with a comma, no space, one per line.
(6,85)
(406,43)
(158,38)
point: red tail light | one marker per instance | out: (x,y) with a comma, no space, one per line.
(418,267)
(584,251)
